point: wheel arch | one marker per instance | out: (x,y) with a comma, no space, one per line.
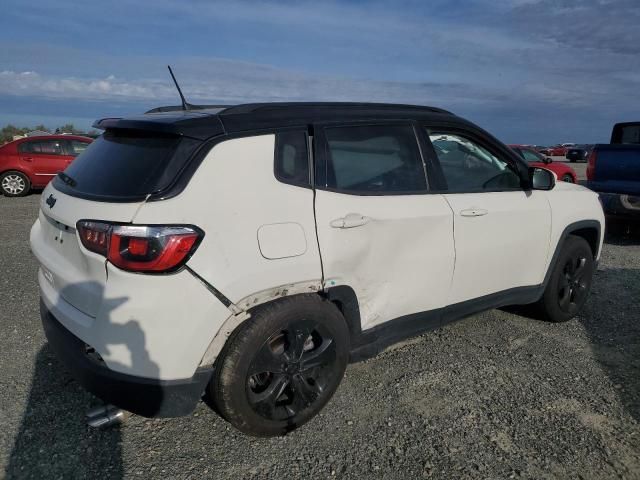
(590,230)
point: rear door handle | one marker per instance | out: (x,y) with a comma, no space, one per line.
(27,159)
(350,220)
(474,212)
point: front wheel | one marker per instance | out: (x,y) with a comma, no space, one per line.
(14,184)
(570,281)
(567,178)
(282,366)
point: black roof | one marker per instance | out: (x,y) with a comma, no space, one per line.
(203,122)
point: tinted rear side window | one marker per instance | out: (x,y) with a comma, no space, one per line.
(374,159)
(125,165)
(291,158)
(45,147)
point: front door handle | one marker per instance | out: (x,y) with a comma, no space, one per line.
(350,220)
(474,212)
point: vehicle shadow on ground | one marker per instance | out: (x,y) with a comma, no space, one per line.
(53,440)
(611,319)
(622,233)
(615,338)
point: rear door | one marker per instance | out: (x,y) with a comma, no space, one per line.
(501,231)
(48,157)
(380,230)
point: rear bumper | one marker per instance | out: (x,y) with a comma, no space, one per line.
(143,396)
(623,207)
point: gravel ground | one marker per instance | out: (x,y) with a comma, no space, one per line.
(496,395)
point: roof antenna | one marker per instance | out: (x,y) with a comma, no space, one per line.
(185,104)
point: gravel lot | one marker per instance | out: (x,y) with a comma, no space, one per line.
(496,395)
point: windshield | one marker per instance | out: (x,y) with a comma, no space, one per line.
(530,156)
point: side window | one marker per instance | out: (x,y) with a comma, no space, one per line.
(52,147)
(291,158)
(75,147)
(529,156)
(26,147)
(45,147)
(469,167)
(374,159)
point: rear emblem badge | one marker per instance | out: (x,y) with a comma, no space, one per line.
(51,201)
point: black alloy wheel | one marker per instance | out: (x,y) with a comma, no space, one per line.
(281,366)
(573,285)
(291,370)
(568,287)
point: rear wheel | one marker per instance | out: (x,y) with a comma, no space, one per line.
(570,281)
(282,366)
(14,184)
(567,178)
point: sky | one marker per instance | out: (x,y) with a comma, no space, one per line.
(528,71)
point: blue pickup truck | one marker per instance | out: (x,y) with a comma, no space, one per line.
(614,172)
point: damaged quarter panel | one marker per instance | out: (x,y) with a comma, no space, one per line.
(259,232)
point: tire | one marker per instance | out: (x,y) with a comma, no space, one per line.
(570,281)
(258,385)
(572,160)
(567,178)
(14,184)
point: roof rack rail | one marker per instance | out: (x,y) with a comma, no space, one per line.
(262,107)
(178,108)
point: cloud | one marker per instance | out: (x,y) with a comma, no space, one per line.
(515,64)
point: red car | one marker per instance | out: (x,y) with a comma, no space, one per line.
(537,159)
(32,162)
(557,151)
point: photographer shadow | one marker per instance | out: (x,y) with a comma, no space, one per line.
(54,440)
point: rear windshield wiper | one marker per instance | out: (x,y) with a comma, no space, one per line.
(67,179)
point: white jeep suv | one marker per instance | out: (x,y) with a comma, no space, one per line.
(251,252)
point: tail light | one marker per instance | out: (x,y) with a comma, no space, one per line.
(591,166)
(139,248)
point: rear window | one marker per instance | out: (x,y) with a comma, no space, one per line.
(126,165)
(631,134)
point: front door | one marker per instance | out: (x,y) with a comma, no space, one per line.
(501,231)
(380,230)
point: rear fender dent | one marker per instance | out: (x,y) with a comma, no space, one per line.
(215,347)
(241,313)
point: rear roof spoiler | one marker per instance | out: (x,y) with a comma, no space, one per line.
(189,124)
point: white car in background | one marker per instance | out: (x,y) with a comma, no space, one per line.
(253,251)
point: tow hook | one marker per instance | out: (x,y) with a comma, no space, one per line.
(105,416)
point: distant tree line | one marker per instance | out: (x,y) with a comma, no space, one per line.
(9,131)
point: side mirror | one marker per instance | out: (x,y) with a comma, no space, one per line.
(547,160)
(541,179)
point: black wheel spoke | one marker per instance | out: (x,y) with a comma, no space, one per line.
(579,269)
(269,396)
(319,356)
(297,340)
(265,361)
(304,393)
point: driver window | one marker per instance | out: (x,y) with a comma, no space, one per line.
(469,167)
(374,159)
